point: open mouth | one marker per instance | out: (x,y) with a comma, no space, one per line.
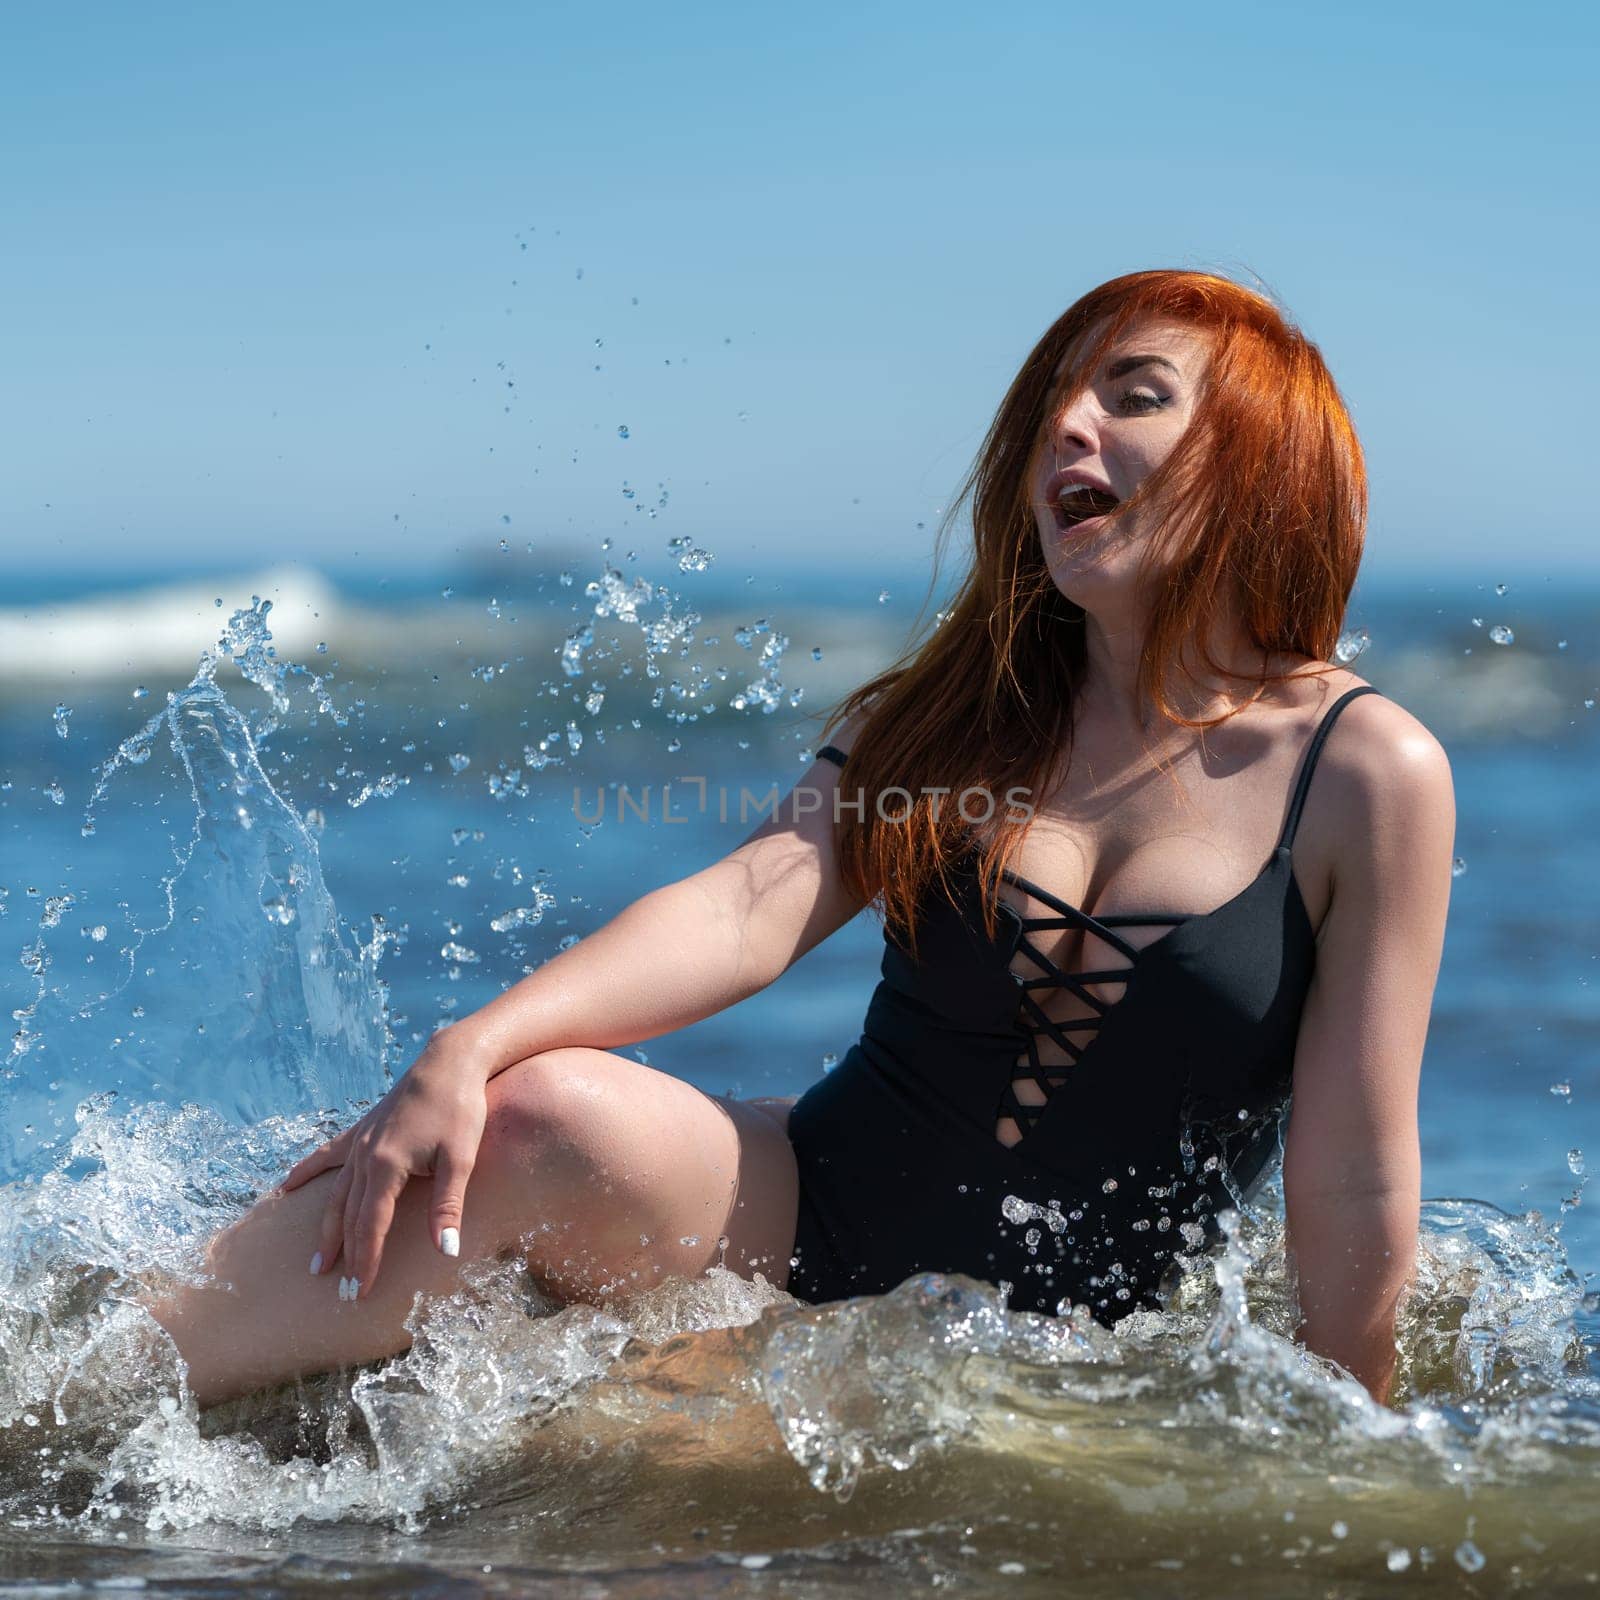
(1074,501)
(1078,504)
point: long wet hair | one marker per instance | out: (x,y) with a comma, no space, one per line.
(1264,510)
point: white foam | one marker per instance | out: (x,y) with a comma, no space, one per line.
(159,630)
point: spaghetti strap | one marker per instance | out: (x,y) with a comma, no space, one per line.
(1309,764)
(831,752)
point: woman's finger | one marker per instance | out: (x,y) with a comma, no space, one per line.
(347,1228)
(330,1154)
(330,1234)
(365,1239)
(450,1173)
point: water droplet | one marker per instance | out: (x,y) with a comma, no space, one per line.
(1562,1091)
(524,916)
(1469,1557)
(446,592)
(1457,867)
(55,792)
(1575,1162)
(1351,645)
(140,693)
(816,652)
(1340,1530)
(1501,634)
(829,1061)
(622,432)
(883,597)
(451,951)
(1109,1186)
(278,911)
(60,716)
(1500,588)
(459,762)
(1561,644)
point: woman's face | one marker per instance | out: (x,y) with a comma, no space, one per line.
(1100,446)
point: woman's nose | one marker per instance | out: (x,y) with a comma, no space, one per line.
(1074,427)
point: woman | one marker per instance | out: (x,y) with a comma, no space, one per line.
(1124,710)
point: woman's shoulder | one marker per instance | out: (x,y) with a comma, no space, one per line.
(1380,737)
(1381,767)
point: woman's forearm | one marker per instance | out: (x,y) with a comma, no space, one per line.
(1352,1257)
(676,955)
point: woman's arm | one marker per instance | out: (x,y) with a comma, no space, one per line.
(682,952)
(1352,1169)
(676,955)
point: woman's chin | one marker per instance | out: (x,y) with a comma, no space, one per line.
(1085,572)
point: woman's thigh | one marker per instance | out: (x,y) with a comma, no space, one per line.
(608,1176)
(613,1176)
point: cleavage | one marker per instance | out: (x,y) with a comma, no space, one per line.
(1072,970)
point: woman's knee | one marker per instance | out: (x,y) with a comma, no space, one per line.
(649,1170)
(543,1106)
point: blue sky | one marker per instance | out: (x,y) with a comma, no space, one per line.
(305,281)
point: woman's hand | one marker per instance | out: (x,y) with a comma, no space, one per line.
(430,1122)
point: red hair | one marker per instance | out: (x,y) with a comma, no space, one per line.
(1265,497)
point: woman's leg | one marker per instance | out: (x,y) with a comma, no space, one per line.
(608,1175)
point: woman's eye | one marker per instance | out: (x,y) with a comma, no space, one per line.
(1142,400)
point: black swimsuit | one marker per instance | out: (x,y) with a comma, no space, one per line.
(1172,1100)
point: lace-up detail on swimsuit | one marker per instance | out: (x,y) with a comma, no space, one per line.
(1055,1047)
(1045,1075)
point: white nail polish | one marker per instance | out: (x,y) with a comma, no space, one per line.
(316,1264)
(450,1241)
(355,1288)
(344,1288)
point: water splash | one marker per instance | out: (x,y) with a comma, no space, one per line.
(284,1009)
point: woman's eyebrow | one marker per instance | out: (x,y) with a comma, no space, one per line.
(1126,364)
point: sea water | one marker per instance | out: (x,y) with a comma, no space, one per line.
(235,905)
